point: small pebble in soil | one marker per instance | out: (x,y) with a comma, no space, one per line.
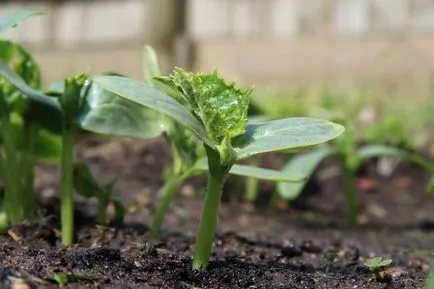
(291,250)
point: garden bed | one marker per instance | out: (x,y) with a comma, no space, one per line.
(306,245)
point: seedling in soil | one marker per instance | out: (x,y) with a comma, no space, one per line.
(377,266)
(216,112)
(350,157)
(86,186)
(189,157)
(24,135)
(377,263)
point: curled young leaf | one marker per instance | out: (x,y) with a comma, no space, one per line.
(221,107)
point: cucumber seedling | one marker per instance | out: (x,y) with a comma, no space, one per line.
(25,136)
(189,158)
(216,113)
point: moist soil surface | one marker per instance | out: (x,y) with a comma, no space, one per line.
(305,244)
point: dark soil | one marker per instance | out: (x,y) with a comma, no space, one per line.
(303,245)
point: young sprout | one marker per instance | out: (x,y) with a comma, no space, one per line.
(71,103)
(189,158)
(216,112)
(377,263)
(24,138)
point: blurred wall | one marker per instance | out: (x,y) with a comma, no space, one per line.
(292,42)
(271,42)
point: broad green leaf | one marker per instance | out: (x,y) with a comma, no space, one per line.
(254,172)
(107,113)
(371,151)
(284,134)
(146,96)
(303,165)
(14,19)
(26,89)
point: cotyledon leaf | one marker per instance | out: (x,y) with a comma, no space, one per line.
(144,95)
(303,165)
(254,172)
(284,134)
(26,89)
(12,20)
(107,113)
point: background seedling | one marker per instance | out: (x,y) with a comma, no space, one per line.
(24,136)
(377,263)
(216,112)
(86,186)
(350,157)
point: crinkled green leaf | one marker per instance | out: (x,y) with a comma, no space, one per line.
(143,95)
(254,172)
(303,165)
(107,113)
(284,134)
(12,20)
(221,107)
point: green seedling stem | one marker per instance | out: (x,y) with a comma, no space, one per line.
(252,184)
(66,193)
(70,102)
(167,193)
(350,186)
(208,221)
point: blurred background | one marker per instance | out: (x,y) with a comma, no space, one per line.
(357,58)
